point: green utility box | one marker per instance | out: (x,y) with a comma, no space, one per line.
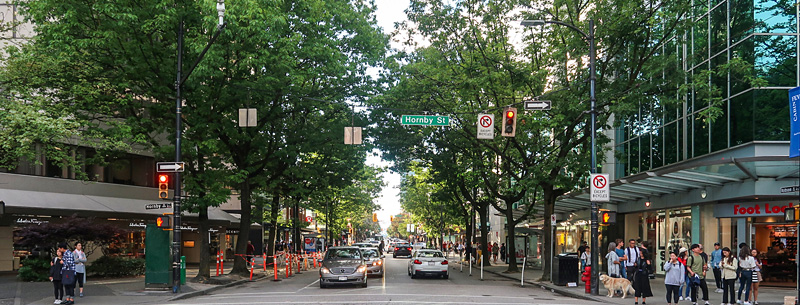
(183,270)
(158,262)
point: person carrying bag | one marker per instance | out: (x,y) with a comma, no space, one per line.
(68,274)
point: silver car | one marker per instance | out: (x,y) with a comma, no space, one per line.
(374,260)
(343,265)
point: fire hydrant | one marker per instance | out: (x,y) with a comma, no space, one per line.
(587,278)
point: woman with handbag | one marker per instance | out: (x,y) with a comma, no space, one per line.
(641,279)
(728,265)
(612,260)
(68,274)
(55,277)
(756,276)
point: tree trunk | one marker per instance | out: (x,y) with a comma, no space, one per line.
(239,261)
(298,239)
(275,208)
(484,216)
(547,256)
(512,247)
(204,272)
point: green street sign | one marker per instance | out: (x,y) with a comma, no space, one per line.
(426,120)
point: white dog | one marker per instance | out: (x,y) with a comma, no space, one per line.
(615,284)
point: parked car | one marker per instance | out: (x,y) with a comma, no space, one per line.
(390,247)
(401,250)
(428,262)
(374,261)
(343,265)
(362,245)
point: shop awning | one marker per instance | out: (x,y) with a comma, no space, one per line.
(752,161)
(64,204)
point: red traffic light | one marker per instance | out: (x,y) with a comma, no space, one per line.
(510,114)
(162,178)
(163,186)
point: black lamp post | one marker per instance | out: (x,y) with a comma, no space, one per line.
(792,215)
(593,112)
(176,199)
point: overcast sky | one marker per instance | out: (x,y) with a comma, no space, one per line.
(389,12)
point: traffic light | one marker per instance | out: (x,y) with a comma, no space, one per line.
(163,186)
(391,218)
(164,222)
(607,218)
(509,122)
(374,217)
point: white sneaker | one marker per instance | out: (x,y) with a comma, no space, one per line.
(738,301)
(680,299)
(747,303)
(57,301)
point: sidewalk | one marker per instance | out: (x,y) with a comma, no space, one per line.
(127,290)
(766,295)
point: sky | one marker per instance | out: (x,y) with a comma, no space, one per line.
(389,12)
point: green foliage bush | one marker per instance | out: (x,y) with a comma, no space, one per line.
(35,269)
(114,266)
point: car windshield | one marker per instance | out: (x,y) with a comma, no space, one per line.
(344,253)
(367,253)
(429,254)
(403,245)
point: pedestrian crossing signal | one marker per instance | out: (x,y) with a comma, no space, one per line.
(163,186)
(163,222)
(607,218)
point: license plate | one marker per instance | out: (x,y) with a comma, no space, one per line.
(342,278)
(431,263)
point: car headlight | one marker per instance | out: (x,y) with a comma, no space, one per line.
(324,270)
(362,268)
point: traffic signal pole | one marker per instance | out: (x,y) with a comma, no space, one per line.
(176,197)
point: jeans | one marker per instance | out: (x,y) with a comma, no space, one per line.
(728,290)
(622,270)
(702,286)
(58,290)
(673,292)
(687,284)
(745,280)
(718,277)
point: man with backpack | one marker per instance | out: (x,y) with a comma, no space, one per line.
(697,265)
(632,253)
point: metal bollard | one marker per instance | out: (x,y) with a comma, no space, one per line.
(481,270)
(522,276)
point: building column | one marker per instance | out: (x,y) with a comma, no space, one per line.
(741,231)
(696,219)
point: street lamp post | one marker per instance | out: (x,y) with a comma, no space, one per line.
(180,79)
(593,113)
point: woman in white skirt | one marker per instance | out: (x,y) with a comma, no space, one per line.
(756,275)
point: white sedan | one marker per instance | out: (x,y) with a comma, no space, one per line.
(428,262)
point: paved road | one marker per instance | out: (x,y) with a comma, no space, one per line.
(396,287)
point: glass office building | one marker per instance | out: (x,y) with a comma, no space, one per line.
(680,177)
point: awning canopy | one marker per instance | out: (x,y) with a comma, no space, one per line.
(63,204)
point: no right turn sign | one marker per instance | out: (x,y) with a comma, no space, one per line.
(599,186)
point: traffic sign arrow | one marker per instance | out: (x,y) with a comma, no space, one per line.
(163,167)
(538,105)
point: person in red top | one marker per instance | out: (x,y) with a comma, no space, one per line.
(250,250)
(682,255)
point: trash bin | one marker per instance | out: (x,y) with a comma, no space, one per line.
(565,269)
(183,270)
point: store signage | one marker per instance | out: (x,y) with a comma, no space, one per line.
(790,189)
(231,231)
(794,121)
(137,225)
(185,228)
(156,206)
(31,221)
(750,209)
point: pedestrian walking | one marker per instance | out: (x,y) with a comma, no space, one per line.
(55,276)
(68,274)
(687,284)
(503,253)
(675,275)
(612,261)
(746,263)
(641,281)
(728,264)
(586,258)
(716,258)
(495,252)
(632,253)
(697,273)
(756,275)
(250,251)
(80,266)
(622,258)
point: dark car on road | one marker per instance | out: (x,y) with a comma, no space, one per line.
(401,250)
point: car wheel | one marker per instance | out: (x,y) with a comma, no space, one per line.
(321,285)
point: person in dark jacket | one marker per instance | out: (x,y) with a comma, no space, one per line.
(503,253)
(55,276)
(641,281)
